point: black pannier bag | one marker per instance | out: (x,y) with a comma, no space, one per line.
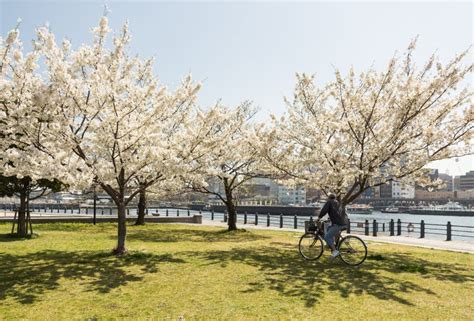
(311,226)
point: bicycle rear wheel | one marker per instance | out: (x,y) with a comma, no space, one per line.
(311,246)
(353,250)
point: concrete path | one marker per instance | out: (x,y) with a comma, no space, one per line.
(456,246)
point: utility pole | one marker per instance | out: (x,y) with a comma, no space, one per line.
(95,203)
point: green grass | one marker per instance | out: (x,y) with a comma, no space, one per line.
(203,273)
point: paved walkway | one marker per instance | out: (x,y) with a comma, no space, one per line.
(456,246)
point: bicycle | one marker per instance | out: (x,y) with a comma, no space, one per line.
(353,250)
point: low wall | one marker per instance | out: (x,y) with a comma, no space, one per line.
(196,219)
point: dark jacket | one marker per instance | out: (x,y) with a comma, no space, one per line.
(336,214)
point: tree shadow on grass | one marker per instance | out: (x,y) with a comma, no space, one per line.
(4,238)
(189,234)
(26,277)
(284,271)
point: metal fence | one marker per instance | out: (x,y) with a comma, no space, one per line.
(420,230)
(372,227)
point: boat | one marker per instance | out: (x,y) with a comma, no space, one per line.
(391,209)
(359,209)
(450,208)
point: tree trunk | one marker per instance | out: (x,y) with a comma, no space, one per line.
(119,200)
(232,216)
(122,230)
(141,208)
(231,211)
(22,223)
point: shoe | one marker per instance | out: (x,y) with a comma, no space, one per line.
(335,254)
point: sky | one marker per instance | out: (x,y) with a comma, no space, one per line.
(252,50)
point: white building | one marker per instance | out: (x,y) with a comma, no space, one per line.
(296,196)
(400,190)
(281,193)
(262,191)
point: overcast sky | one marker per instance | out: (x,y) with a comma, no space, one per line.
(251,50)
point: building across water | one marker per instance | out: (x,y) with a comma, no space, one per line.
(466,181)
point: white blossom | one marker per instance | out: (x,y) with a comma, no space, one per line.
(361,131)
(220,149)
(103,117)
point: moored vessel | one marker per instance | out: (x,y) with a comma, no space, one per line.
(359,209)
(390,209)
(450,208)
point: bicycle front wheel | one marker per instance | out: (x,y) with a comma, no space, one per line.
(311,246)
(353,250)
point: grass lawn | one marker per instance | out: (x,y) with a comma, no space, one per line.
(203,273)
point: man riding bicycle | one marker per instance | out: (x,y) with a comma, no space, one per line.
(338,219)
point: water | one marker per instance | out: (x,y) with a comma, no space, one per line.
(405,217)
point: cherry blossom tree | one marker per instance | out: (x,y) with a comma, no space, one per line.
(220,149)
(25,164)
(362,131)
(23,188)
(118,125)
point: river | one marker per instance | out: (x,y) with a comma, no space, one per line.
(405,217)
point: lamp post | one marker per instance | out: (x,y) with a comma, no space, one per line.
(95,203)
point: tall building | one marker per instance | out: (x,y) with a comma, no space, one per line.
(394,189)
(457,183)
(295,196)
(400,190)
(466,181)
